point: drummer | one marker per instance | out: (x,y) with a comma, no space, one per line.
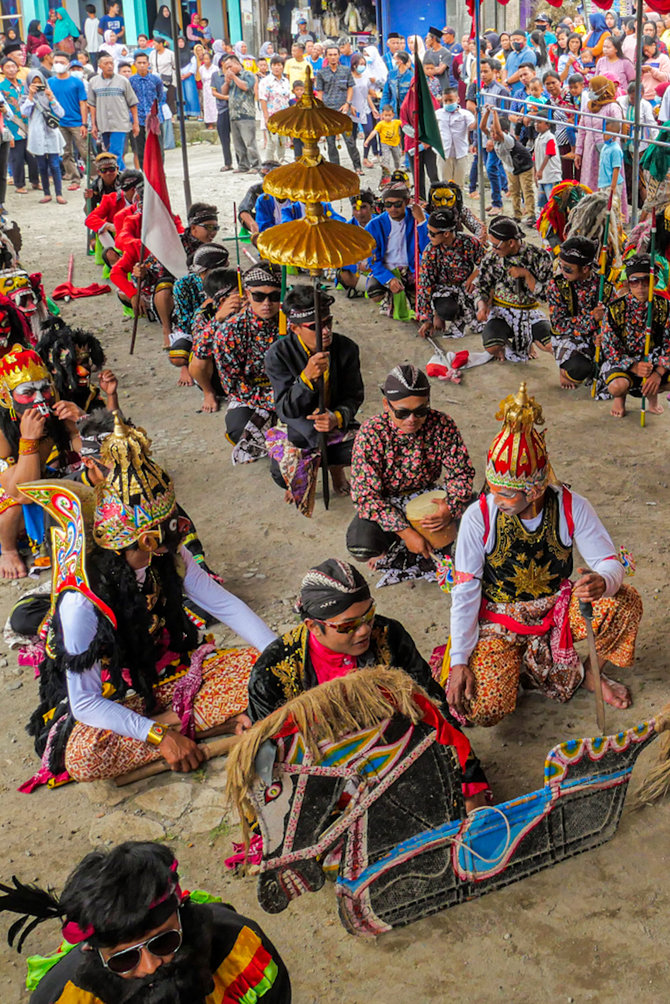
(406,450)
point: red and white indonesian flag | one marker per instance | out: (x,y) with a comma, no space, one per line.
(159,233)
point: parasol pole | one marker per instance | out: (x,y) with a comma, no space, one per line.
(323,445)
(417,168)
(650,307)
(601,290)
(480,145)
(636,122)
(181,111)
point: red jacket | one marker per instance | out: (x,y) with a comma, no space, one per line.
(119,273)
(106,211)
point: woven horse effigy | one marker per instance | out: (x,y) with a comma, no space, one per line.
(379,807)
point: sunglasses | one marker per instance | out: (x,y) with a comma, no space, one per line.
(161,945)
(348,627)
(642,280)
(211,228)
(273,297)
(394,203)
(403,413)
(326,322)
(107,170)
(439,233)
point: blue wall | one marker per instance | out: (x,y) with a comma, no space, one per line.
(412,20)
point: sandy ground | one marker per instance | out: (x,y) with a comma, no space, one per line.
(593,928)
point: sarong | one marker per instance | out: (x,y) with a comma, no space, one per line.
(95,754)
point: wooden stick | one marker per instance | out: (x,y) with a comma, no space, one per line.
(136,316)
(650,308)
(323,442)
(601,288)
(217,747)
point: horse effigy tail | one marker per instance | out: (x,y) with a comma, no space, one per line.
(657,782)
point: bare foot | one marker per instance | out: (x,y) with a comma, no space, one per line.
(185,378)
(566,382)
(11,566)
(373,562)
(340,484)
(614,693)
(653,407)
(210,403)
(618,409)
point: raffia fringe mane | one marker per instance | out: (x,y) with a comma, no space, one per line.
(657,782)
(329,711)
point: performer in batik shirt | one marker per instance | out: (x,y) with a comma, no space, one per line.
(515,610)
(576,311)
(189,295)
(512,282)
(625,369)
(446,277)
(403,452)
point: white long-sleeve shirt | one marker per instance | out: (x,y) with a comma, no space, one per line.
(79,623)
(590,536)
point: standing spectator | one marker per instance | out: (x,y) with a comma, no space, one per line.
(117,50)
(14,93)
(346,51)
(147,88)
(395,43)
(207,71)
(363,109)
(34,39)
(206,30)
(44,139)
(187,72)
(304,34)
(314,55)
(455,124)
(161,62)
(66,32)
(427,156)
(295,68)
(571,62)
(274,93)
(454,49)
(655,69)
(543,27)
(398,83)
(596,37)
(162,27)
(517,159)
(614,65)
(112,21)
(492,163)
(222,118)
(49,27)
(599,100)
(335,86)
(239,88)
(45,58)
(111,99)
(521,55)
(562,115)
(70,93)
(629,44)
(91,33)
(547,158)
(194,32)
(438,56)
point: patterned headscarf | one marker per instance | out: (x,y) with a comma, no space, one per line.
(259,275)
(330,588)
(405,381)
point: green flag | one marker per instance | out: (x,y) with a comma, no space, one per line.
(429,131)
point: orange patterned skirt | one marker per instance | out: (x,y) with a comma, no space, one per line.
(95,754)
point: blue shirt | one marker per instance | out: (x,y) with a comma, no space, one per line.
(111,23)
(517,59)
(69,91)
(148,89)
(611,156)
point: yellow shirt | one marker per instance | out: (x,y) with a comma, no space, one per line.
(295,70)
(389,132)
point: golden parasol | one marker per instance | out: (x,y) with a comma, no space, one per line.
(314,242)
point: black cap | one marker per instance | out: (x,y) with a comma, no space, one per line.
(437,32)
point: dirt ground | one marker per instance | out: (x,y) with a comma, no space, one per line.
(590,929)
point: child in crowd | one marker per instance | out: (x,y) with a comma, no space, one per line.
(434,82)
(388,130)
(518,161)
(536,95)
(610,167)
(548,170)
(455,124)
(206,30)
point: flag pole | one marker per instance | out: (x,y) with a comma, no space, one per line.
(480,145)
(181,112)
(636,123)
(417,174)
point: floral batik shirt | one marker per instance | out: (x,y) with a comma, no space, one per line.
(443,267)
(157,272)
(497,285)
(573,329)
(624,329)
(188,297)
(238,348)
(386,464)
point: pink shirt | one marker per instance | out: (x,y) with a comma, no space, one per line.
(620,70)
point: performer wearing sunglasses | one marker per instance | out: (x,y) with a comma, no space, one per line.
(294,367)
(342,633)
(392,279)
(238,348)
(406,450)
(129,933)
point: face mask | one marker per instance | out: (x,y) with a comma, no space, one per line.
(451,106)
(60,67)
(518,46)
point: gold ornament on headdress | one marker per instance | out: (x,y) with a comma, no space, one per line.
(314,242)
(137,494)
(518,411)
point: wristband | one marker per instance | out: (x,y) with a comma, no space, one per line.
(156,734)
(28,446)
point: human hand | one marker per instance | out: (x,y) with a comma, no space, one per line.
(231,305)
(589,586)
(137,305)
(417,212)
(395,285)
(88,193)
(469,284)
(180,753)
(108,382)
(578,161)
(461,688)
(82,131)
(136,129)
(642,369)
(32,424)
(317,365)
(425,329)
(651,384)
(32,89)
(415,542)
(68,410)
(517,272)
(598,312)
(482,311)
(139,271)
(324,421)
(440,519)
